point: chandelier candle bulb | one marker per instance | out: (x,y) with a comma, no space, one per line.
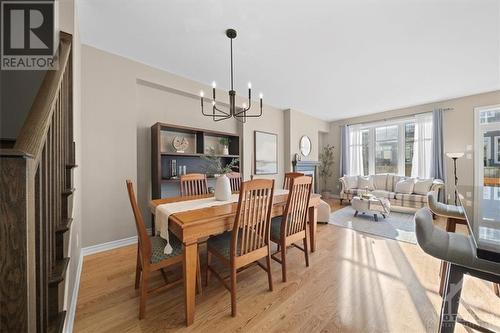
(249,85)
(202,93)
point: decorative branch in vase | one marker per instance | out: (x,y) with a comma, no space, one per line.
(215,168)
(326,168)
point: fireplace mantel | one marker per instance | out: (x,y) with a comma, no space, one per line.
(309,168)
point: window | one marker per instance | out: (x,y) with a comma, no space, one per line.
(386,149)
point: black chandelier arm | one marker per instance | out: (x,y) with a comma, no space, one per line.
(241,119)
(249,115)
(221,111)
(225,114)
(245,109)
(225,117)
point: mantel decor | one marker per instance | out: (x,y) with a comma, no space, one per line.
(239,113)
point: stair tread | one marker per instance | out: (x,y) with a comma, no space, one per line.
(56,324)
(58,272)
(71,166)
(65,224)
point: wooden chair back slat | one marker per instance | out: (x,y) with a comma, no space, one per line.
(288,178)
(144,242)
(235,181)
(295,215)
(193,184)
(252,223)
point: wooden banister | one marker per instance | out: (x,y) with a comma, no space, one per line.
(35,207)
(33,134)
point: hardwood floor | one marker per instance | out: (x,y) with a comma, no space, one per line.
(355,283)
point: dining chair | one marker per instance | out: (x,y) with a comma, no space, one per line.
(288,177)
(249,239)
(151,256)
(235,181)
(454,215)
(291,226)
(193,184)
(460,253)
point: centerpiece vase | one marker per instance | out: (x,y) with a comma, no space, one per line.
(222,188)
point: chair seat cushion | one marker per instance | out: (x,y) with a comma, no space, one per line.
(383,194)
(411,197)
(222,243)
(276,227)
(158,248)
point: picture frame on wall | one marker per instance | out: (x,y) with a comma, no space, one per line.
(265,153)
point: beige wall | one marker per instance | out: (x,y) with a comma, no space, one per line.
(121,100)
(458,131)
(301,124)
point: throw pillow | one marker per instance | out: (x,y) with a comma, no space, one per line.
(365,183)
(380,182)
(351,182)
(422,186)
(405,186)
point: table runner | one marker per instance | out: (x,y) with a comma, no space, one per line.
(163,212)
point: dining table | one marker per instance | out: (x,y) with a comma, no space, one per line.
(193,225)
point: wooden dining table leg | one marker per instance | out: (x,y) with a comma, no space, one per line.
(313,221)
(189,265)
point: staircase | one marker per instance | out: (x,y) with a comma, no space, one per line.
(36,201)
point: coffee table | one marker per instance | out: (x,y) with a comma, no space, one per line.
(371,205)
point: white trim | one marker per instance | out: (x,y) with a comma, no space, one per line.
(108,246)
(70,316)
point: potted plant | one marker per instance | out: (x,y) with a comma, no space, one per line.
(326,168)
(222,184)
(224,142)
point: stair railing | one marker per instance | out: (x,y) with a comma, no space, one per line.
(36,207)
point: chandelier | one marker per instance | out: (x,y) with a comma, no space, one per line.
(239,113)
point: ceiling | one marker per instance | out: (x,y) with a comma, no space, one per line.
(332,59)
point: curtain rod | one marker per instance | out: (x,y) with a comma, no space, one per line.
(392,118)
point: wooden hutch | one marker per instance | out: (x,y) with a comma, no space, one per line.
(200,142)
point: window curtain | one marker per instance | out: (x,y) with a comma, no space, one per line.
(437,161)
(422,147)
(355,165)
(344,152)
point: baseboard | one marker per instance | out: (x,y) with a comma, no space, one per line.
(71,312)
(110,245)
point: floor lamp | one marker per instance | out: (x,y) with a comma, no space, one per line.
(455,157)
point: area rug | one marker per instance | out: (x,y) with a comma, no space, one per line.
(398,226)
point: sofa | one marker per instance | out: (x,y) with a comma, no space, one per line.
(401,191)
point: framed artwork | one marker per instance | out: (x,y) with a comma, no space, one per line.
(265,153)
